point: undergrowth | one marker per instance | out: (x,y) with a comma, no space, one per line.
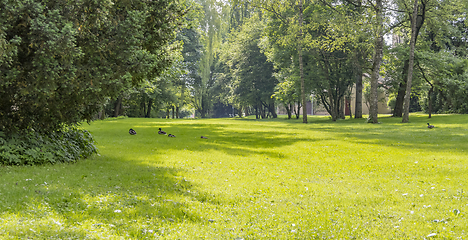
(33,148)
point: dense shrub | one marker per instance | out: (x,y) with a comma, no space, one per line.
(60,60)
(33,148)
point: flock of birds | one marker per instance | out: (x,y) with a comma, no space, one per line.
(133,132)
(161,132)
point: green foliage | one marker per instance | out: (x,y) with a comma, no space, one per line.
(212,29)
(252,75)
(34,148)
(60,60)
(163,92)
(450,95)
(447,73)
(391,102)
(285,92)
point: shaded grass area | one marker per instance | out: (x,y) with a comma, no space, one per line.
(251,179)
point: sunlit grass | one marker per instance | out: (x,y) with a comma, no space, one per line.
(251,179)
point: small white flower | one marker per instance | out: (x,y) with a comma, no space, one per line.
(404,194)
(432,235)
(412,212)
(421,195)
(117,211)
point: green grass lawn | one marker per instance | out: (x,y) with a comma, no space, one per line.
(251,179)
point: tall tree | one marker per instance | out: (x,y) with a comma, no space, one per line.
(377,60)
(425,7)
(281,9)
(213,27)
(301,65)
(252,73)
(192,54)
(433,14)
(411,61)
(335,78)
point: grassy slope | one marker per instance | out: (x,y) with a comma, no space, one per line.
(251,179)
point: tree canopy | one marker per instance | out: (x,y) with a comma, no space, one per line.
(62,62)
(59,60)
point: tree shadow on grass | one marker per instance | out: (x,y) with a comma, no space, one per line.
(237,140)
(450,134)
(106,195)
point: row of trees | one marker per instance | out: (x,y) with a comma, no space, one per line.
(258,53)
(325,47)
(64,62)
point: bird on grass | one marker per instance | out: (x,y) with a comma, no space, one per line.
(132,132)
(430,126)
(161,132)
(204,137)
(170,135)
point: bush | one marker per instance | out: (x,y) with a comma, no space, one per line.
(33,148)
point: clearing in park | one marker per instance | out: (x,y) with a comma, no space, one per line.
(250,179)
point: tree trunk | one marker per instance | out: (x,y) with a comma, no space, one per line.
(272,110)
(431,90)
(400,99)
(148,109)
(411,64)
(398,112)
(202,106)
(358,104)
(342,107)
(333,105)
(430,101)
(177,111)
(349,106)
(143,105)
(288,110)
(298,112)
(377,60)
(117,107)
(301,68)
(103,114)
(167,113)
(173,111)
